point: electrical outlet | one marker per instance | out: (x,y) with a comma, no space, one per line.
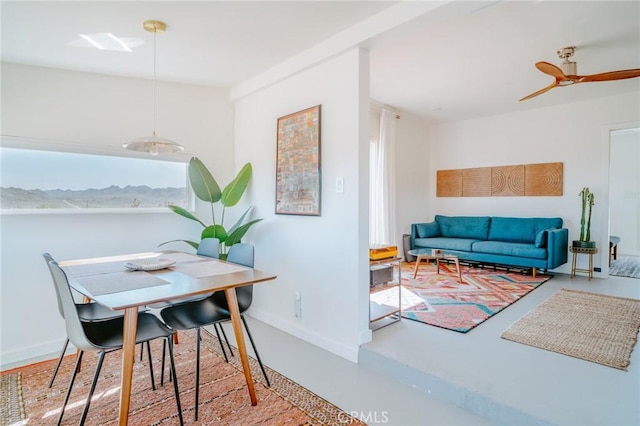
(297,304)
(339,185)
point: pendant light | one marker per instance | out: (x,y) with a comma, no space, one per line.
(153,144)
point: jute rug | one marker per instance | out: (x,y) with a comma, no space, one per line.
(440,300)
(224,399)
(593,327)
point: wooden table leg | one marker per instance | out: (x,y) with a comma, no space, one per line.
(128,356)
(236,321)
(457,261)
(418,260)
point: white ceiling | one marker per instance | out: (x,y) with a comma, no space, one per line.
(459,61)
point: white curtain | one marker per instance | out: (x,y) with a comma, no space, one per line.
(382,219)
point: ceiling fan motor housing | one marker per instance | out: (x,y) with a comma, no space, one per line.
(569,68)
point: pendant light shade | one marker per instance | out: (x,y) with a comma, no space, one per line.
(153,144)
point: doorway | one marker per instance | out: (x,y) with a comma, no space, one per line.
(624,194)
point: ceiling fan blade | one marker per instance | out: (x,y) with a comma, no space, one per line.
(541,91)
(611,75)
(552,70)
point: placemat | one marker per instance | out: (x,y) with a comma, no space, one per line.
(99,285)
(208,268)
(95,268)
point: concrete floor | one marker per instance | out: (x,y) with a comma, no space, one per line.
(416,374)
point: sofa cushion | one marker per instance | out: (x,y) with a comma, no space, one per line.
(471,227)
(541,238)
(510,249)
(520,229)
(428,230)
(460,244)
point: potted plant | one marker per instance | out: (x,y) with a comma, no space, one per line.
(588,199)
(207,189)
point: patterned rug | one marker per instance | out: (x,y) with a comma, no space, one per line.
(625,266)
(224,399)
(442,301)
(590,326)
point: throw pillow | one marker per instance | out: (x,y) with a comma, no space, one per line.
(541,238)
(428,230)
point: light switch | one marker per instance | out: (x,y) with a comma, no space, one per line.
(339,185)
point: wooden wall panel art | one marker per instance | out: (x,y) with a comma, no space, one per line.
(543,179)
(476,182)
(507,181)
(449,183)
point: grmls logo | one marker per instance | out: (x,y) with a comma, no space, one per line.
(370,417)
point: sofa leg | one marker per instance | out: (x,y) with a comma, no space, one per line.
(533,271)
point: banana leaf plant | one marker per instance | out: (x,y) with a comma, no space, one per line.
(207,189)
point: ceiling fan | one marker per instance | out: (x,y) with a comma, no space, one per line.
(567,74)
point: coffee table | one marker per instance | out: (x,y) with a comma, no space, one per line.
(428,254)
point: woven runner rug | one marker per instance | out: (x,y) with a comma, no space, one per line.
(442,301)
(625,266)
(593,327)
(224,398)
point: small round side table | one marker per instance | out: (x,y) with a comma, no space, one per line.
(581,250)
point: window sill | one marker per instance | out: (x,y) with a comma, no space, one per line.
(11,212)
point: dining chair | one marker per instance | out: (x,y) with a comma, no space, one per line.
(209,247)
(194,315)
(104,337)
(88,312)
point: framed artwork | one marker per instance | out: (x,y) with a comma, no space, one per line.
(298,163)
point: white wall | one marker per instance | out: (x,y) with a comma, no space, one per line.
(413,177)
(574,134)
(324,257)
(624,209)
(98,111)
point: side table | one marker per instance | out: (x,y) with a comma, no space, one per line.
(580,250)
(381,315)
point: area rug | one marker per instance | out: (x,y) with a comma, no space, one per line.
(593,327)
(625,266)
(224,399)
(12,411)
(440,300)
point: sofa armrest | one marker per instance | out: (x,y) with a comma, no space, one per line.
(557,246)
(414,234)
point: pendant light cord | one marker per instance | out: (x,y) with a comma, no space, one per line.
(155,33)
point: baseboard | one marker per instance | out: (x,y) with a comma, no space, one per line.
(437,387)
(336,348)
(31,354)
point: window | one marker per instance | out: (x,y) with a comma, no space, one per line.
(38,179)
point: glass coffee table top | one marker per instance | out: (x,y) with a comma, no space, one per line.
(424,252)
(428,254)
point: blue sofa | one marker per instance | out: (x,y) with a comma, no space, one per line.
(537,243)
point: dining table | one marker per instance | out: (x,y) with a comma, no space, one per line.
(130,281)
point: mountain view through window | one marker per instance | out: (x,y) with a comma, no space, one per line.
(35,179)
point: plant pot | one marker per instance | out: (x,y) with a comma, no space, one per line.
(584,244)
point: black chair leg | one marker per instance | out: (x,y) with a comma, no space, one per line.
(153,382)
(141,350)
(55,372)
(164,351)
(73,378)
(175,378)
(225,339)
(93,388)
(197,395)
(215,327)
(246,326)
